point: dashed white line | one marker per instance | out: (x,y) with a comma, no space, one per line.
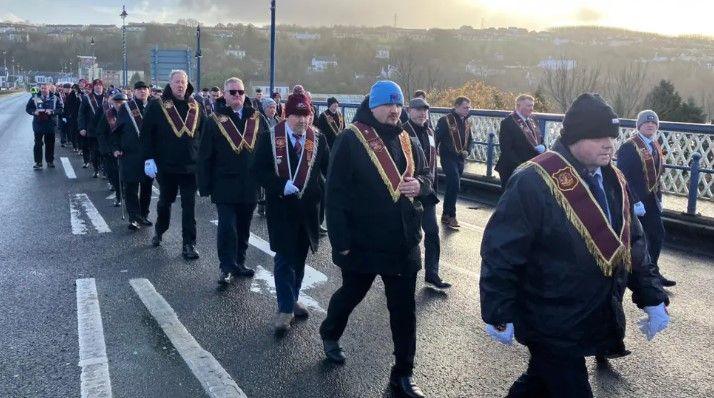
(94,380)
(81,204)
(68,169)
(215,380)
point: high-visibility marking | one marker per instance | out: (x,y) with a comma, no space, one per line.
(94,380)
(68,169)
(213,378)
(79,205)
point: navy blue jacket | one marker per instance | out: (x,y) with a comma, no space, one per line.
(44,122)
(628,161)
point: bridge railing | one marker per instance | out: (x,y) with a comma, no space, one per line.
(688,148)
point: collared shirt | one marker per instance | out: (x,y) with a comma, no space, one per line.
(239,112)
(597,175)
(291,135)
(647,141)
(521,116)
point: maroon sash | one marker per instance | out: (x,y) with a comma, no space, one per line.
(110,114)
(336,125)
(282,154)
(181,127)
(459,143)
(529,128)
(93,105)
(136,112)
(572,194)
(431,156)
(381,158)
(234,137)
(651,170)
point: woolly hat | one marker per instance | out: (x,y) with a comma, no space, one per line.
(385,92)
(589,117)
(298,104)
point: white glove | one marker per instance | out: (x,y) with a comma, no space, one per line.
(639,209)
(290,189)
(656,321)
(150,168)
(540,148)
(504,336)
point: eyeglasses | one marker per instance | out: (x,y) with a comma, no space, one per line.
(234,92)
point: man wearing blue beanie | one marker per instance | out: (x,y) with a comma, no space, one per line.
(374,224)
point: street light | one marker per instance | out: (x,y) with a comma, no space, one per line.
(123,16)
(272,47)
(198,56)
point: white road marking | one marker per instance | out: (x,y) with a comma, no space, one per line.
(215,380)
(80,204)
(94,380)
(68,169)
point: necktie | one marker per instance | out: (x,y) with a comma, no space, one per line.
(599,193)
(655,153)
(298,145)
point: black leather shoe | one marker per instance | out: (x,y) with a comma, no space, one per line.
(333,351)
(437,283)
(117,202)
(667,282)
(323,230)
(405,386)
(242,270)
(51,165)
(133,225)
(37,166)
(156,241)
(145,222)
(95,175)
(189,252)
(226,278)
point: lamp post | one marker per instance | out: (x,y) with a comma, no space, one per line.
(123,15)
(94,60)
(272,47)
(198,56)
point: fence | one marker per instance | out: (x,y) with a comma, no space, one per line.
(688,148)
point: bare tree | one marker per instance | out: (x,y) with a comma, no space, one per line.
(567,79)
(623,88)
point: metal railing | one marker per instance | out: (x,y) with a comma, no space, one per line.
(688,148)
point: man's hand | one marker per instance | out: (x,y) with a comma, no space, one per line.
(83,133)
(150,168)
(345,252)
(37,112)
(657,320)
(290,188)
(501,333)
(117,154)
(410,187)
(639,209)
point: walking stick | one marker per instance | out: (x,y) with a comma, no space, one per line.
(121,192)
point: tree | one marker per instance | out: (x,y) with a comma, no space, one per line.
(623,88)
(566,80)
(482,96)
(668,104)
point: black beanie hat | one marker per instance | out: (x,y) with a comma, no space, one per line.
(332,100)
(589,117)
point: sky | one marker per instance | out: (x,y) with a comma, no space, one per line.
(665,17)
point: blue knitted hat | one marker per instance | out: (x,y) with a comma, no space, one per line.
(385,92)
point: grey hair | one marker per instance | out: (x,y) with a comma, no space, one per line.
(177,72)
(233,80)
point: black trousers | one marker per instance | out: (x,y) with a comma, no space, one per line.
(399,290)
(138,198)
(111,169)
(654,232)
(170,184)
(48,139)
(233,233)
(553,376)
(432,247)
(90,152)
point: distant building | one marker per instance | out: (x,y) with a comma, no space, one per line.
(382,53)
(236,53)
(554,64)
(281,88)
(306,36)
(321,64)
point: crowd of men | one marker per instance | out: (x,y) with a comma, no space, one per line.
(569,234)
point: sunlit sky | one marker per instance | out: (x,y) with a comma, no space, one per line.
(665,17)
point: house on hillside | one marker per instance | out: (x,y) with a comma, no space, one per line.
(321,64)
(554,64)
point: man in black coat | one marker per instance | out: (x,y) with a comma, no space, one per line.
(105,131)
(169,138)
(126,147)
(642,162)
(331,121)
(519,138)
(71,111)
(558,253)
(453,137)
(224,159)
(374,224)
(90,111)
(289,163)
(418,127)
(44,107)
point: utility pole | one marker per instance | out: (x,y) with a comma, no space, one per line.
(198,56)
(125,78)
(272,47)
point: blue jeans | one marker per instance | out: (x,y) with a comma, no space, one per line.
(233,233)
(453,168)
(289,271)
(431,241)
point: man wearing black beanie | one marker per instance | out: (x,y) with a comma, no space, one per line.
(558,252)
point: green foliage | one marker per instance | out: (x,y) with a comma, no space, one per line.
(668,104)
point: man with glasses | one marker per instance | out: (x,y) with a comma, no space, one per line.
(224,159)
